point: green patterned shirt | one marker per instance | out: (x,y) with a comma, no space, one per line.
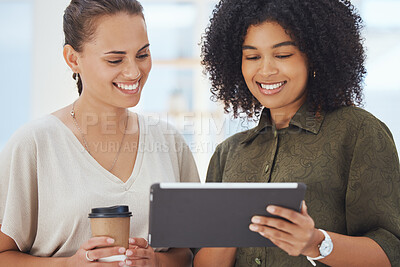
(348,160)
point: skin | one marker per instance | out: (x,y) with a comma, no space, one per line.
(270,57)
(118,54)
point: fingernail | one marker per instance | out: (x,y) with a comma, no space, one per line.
(110,240)
(253,227)
(129,253)
(255,220)
(270,209)
(131,241)
(121,263)
(121,250)
(128,262)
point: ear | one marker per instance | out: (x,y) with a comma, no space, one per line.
(71,58)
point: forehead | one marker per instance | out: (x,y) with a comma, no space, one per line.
(266,33)
(120,31)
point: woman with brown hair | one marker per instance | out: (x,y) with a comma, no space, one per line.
(92,153)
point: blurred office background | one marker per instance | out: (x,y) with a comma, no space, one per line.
(35,80)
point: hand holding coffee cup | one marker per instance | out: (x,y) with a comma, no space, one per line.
(140,253)
(112,222)
(93,249)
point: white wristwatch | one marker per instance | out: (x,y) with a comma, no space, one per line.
(325,248)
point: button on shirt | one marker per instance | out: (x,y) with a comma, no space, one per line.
(348,160)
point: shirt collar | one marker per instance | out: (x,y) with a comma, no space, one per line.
(303,119)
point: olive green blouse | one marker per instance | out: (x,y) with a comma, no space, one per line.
(348,160)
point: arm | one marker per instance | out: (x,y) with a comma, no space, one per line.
(174,257)
(10,255)
(300,237)
(371,208)
(215,257)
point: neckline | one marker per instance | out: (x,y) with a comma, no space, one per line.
(139,155)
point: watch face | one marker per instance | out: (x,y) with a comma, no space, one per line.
(326,248)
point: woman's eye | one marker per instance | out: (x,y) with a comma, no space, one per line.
(114,61)
(143,56)
(252,58)
(284,56)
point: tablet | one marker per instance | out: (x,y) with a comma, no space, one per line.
(198,215)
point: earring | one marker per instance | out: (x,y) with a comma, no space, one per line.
(76,76)
(314,74)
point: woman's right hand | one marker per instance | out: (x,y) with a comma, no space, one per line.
(93,249)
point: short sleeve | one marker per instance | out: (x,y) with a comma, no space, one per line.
(214,172)
(373,191)
(18,189)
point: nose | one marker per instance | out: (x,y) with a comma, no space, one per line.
(131,70)
(268,67)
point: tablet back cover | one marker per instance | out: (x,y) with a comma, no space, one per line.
(216,217)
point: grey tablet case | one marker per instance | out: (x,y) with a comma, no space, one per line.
(215,214)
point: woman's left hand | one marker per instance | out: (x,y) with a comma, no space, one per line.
(298,236)
(140,253)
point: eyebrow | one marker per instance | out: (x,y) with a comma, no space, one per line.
(124,53)
(245,47)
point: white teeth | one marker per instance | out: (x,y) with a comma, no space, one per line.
(272,86)
(128,87)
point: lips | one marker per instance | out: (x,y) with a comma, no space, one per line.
(271,88)
(128,87)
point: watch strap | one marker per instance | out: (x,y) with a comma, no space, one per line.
(312,260)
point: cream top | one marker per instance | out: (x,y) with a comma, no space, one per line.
(49,183)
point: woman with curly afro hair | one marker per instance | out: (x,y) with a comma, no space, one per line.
(299,66)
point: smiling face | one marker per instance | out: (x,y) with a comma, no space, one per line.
(274,69)
(115,64)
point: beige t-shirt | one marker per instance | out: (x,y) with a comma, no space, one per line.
(49,183)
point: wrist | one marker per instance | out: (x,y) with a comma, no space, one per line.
(312,249)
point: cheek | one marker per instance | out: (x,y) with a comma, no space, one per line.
(247,73)
(146,66)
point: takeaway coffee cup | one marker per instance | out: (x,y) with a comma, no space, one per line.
(113,222)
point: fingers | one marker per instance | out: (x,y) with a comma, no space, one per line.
(292,235)
(271,233)
(139,253)
(139,242)
(100,241)
(304,209)
(291,215)
(139,262)
(98,253)
(275,223)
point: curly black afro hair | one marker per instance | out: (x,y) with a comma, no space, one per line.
(326,31)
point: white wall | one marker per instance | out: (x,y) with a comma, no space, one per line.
(52,83)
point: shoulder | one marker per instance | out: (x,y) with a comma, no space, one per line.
(358,118)
(26,142)
(353,114)
(33,131)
